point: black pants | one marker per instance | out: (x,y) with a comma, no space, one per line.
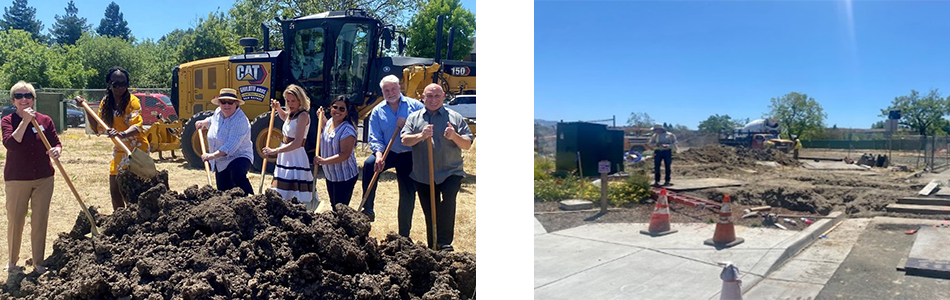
(666,156)
(341,191)
(407,189)
(235,175)
(445,194)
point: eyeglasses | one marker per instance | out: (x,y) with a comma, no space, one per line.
(21,96)
(339,108)
(227,102)
(120,84)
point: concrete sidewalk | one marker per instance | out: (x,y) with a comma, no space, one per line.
(615,261)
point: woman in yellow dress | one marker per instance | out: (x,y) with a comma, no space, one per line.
(123,112)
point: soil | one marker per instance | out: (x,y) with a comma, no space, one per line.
(208,244)
(788,188)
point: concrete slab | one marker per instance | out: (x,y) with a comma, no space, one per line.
(829,165)
(558,257)
(929,188)
(538,228)
(930,254)
(772,289)
(816,272)
(942,191)
(690,235)
(702,183)
(575,204)
(646,275)
(925,200)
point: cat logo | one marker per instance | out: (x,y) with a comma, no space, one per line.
(254,74)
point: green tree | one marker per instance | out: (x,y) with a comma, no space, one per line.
(878,125)
(921,114)
(422,29)
(212,37)
(247,15)
(718,124)
(100,53)
(798,114)
(639,120)
(22,58)
(23,17)
(113,23)
(69,27)
(65,69)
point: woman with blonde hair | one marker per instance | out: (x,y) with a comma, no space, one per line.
(293,176)
(28,173)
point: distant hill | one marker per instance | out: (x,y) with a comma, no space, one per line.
(545,122)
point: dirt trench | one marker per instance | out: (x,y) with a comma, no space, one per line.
(209,244)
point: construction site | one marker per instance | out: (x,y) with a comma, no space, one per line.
(880,214)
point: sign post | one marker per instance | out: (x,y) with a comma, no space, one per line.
(603,167)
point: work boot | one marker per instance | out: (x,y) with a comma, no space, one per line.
(370,214)
(667,183)
(447,248)
(656,183)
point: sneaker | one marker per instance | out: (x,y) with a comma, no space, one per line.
(667,183)
(448,248)
(656,183)
(370,214)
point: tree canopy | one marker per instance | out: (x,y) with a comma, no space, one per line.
(922,114)
(639,120)
(113,23)
(798,114)
(23,17)
(718,124)
(422,29)
(69,27)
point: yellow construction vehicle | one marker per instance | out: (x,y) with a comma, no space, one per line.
(328,54)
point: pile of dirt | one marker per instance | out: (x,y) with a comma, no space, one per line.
(721,154)
(209,244)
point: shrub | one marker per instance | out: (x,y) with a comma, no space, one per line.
(543,167)
(552,189)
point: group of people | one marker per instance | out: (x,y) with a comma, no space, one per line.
(408,124)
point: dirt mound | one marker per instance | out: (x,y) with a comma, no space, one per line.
(209,244)
(721,154)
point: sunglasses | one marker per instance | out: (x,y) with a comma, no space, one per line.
(227,102)
(117,84)
(21,96)
(339,108)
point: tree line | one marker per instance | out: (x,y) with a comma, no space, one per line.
(73,55)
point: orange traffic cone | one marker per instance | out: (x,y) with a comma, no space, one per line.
(731,285)
(660,220)
(725,235)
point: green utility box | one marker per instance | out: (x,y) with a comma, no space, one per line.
(52,105)
(594,142)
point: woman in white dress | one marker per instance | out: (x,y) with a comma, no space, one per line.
(293,176)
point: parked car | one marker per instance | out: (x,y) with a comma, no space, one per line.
(155,105)
(74,117)
(464,105)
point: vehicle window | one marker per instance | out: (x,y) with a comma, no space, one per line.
(165,99)
(307,60)
(198,79)
(212,78)
(351,61)
(151,101)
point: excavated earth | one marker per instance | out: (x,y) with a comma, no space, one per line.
(208,244)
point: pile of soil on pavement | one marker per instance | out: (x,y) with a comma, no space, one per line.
(209,244)
(721,154)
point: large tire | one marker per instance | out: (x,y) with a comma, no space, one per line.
(259,136)
(190,146)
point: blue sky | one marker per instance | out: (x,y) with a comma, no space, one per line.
(147,19)
(682,61)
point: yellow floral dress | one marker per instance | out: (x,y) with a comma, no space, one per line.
(122,122)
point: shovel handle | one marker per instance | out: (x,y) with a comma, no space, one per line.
(69,182)
(316,152)
(103,125)
(270,128)
(204,150)
(372,182)
(435,231)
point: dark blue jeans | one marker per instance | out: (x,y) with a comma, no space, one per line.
(445,195)
(341,191)
(407,189)
(666,156)
(235,175)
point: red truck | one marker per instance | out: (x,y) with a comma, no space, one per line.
(155,106)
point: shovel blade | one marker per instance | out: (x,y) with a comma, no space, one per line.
(141,164)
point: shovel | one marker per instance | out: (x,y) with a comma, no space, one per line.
(376,174)
(264,158)
(435,231)
(316,152)
(204,150)
(92,222)
(140,163)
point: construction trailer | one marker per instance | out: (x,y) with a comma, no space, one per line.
(582,145)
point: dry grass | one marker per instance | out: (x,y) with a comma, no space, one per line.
(86,159)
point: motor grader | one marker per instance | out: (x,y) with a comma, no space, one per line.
(328,54)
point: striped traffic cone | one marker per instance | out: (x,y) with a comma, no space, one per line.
(731,285)
(660,220)
(725,235)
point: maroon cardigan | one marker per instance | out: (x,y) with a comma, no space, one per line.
(27,159)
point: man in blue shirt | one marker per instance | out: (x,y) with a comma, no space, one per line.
(384,121)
